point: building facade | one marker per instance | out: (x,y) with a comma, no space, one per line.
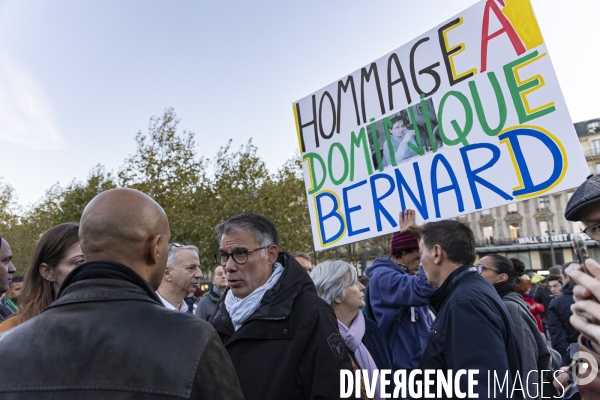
(528,229)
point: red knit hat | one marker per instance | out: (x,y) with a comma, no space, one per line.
(403,241)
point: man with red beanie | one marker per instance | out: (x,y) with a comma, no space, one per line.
(397,296)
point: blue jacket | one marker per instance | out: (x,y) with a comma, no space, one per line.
(390,288)
(562,333)
(472,330)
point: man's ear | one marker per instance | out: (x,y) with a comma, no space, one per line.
(272,253)
(47,272)
(167,276)
(438,254)
(154,251)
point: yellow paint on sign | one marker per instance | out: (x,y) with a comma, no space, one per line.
(520,15)
(298,130)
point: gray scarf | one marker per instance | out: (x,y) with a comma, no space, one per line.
(241,309)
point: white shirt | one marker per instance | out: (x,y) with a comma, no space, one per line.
(183,307)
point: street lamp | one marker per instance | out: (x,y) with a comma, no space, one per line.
(546,202)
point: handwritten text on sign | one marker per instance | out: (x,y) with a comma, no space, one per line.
(468,116)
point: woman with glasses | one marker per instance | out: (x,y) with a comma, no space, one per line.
(505,276)
(57,252)
(337,284)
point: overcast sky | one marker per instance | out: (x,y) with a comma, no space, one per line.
(79,78)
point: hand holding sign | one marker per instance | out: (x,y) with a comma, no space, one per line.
(406,220)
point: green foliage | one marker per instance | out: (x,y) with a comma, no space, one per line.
(167,167)
(57,206)
(7,206)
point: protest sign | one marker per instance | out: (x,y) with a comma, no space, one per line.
(465,117)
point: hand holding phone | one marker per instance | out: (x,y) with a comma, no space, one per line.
(586,276)
(586,309)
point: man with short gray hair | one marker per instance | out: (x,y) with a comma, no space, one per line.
(182,276)
(282,338)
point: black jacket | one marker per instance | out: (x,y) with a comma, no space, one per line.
(5,312)
(472,330)
(377,345)
(208,304)
(543,296)
(562,333)
(290,348)
(107,336)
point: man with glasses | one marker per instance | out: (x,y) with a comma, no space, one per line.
(282,338)
(397,298)
(584,206)
(182,276)
(6,270)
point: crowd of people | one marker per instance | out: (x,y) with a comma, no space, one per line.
(109,308)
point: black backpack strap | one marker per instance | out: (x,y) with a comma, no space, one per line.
(395,323)
(394,327)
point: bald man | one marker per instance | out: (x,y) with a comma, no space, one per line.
(108,335)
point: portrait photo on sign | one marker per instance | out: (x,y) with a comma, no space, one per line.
(404,135)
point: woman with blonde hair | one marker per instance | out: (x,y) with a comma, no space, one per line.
(56,253)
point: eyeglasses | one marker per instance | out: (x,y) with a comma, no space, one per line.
(240,256)
(482,268)
(171,245)
(593,231)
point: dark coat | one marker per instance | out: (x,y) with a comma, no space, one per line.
(543,296)
(108,336)
(562,333)
(208,304)
(377,345)
(472,330)
(290,348)
(5,312)
(390,288)
(535,355)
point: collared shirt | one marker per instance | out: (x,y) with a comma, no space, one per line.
(182,308)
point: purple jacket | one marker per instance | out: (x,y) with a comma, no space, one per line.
(390,288)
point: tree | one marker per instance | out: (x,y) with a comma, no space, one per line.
(58,205)
(284,198)
(77,195)
(7,206)
(166,167)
